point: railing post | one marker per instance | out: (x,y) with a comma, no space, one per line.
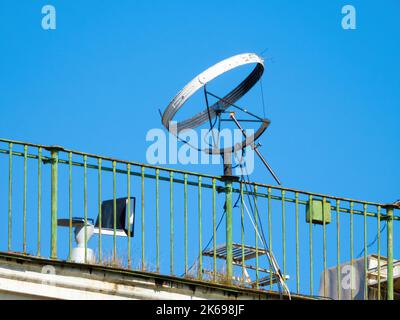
(389,213)
(54,198)
(228,204)
(228,178)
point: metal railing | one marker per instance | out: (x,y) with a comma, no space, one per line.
(180,214)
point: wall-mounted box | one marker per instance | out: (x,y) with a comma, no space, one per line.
(317,213)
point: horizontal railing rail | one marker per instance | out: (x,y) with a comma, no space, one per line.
(261,236)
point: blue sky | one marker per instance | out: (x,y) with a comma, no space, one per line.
(96,82)
(332,94)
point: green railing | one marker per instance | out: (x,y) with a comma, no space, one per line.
(180,214)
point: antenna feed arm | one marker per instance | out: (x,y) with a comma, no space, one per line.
(255,148)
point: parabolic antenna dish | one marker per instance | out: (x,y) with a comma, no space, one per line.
(222,104)
(202,79)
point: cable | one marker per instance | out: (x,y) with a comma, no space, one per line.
(373,242)
(212,237)
(281,285)
(209,116)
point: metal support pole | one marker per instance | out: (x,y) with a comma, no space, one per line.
(54,197)
(228,178)
(228,204)
(389,212)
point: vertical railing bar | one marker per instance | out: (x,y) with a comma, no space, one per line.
(283,231)
(390,284)
(99,204)
(297,244)
(10,147)
(143,226)
(200,270)
(128,182)
(185,221)
(311,245)
(270,234)
(24,199)
(171,226)
(214,209)
(114,168)
(39,212)
(242,229)
(365,254)
(324,243)
(256,236)
(338,275)
(351,249)
(85,207)
(379,252)
(54,201)
(228,230)
(70,205)
(157,222)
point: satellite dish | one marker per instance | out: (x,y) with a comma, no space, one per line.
(226,105)
(221,107)
(207,76)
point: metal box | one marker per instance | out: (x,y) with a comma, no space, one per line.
(317,214)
